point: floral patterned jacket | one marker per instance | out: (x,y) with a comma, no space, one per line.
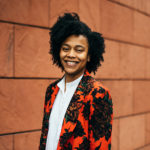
(87,124)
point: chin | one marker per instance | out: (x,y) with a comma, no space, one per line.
(74,72)
(70,72)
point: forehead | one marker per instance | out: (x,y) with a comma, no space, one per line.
(76,40)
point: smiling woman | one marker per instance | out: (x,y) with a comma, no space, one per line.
(78,110)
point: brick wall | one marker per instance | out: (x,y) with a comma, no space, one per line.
(26,68)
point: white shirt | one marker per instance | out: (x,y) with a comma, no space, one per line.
(60,106)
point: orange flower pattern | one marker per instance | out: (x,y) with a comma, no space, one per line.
(87,123)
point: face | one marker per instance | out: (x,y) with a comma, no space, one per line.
(74,55)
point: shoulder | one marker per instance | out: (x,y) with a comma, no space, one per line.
(100,99)
(101,93)
(50,89)
(96,86)
(101,88)
(53,84)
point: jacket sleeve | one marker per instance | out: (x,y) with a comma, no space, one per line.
(44,123)
(100,121)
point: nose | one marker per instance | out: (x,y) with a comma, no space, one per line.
(71,53)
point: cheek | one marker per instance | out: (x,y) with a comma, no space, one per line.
(61,55)
(84,57)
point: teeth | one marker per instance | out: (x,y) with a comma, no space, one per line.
(71,63)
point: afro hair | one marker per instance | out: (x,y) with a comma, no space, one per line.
(70,24)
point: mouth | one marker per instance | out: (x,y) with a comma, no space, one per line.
(71,63)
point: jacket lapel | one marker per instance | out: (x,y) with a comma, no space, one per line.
(50,97)
(71,116)
(50,102)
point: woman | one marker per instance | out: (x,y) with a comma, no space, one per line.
(78,109)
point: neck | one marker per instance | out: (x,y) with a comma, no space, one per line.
(70,77)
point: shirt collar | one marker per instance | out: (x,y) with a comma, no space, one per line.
(61,83)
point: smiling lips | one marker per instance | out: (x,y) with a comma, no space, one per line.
(71,63)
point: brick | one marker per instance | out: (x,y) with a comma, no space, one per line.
(28,12)
(143,6)
(146,147)
(6,142)
(141,29)
(132,61)
(115,135)
(128,28)
(141,96)
(132,132)
(147,7)
(124,61)
(59,7)
(116,21)
(21,104)
(140,5)
(89,12)
(110,66)
(6,48)
(147,63)
(31,53)
(122,97)
(27,141)
(148,128)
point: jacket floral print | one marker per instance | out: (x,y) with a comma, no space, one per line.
(87,124)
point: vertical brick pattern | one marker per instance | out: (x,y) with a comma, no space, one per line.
(6,49)
(140,5)
(34,12)
(6,142)
(123,98)
(132,132)
(29,140)
(31,53)
(115,135)
(116,22)
(22,102)
(148,128)
(90,17)
(59,7)
(26,68)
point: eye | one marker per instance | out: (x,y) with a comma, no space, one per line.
(65,49)
(79,50)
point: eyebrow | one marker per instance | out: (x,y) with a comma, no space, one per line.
(75,46)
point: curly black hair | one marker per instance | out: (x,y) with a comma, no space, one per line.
(70,24)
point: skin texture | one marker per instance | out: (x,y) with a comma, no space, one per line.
(74,56)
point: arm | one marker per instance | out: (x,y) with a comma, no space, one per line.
(100,121)
(45,122)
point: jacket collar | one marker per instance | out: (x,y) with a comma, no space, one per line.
(80,90)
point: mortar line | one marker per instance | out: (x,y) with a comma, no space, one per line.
(22,24)
(130,7)
(99,79)
(20,132)
(47,28)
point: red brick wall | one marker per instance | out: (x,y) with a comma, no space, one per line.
(26,67)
